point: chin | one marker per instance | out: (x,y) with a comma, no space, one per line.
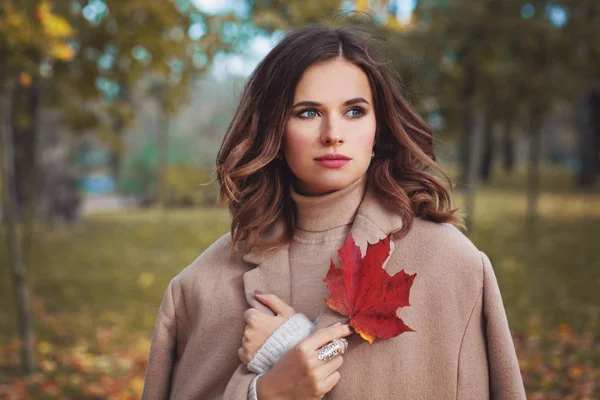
(316,180)
(331,184)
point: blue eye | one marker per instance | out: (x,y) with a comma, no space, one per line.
(355,113)
(309,114)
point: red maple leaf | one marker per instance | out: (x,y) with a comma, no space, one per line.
(362,290)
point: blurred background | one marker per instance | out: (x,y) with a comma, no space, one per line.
(111,114)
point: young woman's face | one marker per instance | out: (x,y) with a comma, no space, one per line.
(330,134)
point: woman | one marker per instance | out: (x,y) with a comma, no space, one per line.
(322,145)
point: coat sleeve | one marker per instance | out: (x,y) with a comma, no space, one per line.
(289,334)
(163,351)
(505,376)
(163,356)
(488,363)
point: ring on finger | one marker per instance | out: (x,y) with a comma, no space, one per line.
(344,344)
(332,349)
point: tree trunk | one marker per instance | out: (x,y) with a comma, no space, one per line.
(474,167)
(116,159)
(116,162)
(32,183)
(467,124)
(19,143)
(487,160)
(596,130)
(12,235)
(533,176)
(162,148)
(508,145)
(589,139)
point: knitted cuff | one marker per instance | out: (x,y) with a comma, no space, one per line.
(289,334)
(252,395)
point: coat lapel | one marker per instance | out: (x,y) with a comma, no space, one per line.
(372,223)
(271,274)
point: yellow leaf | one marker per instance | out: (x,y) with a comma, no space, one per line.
(146,279)
(47,366)
(392,23)
(62,52)
(44,347)
(362,5)
(137,385)
(142,346)
(55,27)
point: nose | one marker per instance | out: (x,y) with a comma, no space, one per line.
(331,135)
(332,140)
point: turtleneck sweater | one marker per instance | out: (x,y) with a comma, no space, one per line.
(322,225)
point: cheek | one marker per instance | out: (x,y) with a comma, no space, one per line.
(363,136)
(367,139)
(297,140)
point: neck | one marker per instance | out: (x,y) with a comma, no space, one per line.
(328,211)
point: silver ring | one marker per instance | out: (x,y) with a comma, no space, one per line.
(345,343)
(332,349)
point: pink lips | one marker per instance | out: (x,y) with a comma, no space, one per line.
(332,160)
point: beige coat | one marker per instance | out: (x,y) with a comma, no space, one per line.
(462,347)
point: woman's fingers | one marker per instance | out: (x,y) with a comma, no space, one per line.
(329,367)
(278,306)
(253,317)
(243,356)
(326,335)
(249,316)
(330,382)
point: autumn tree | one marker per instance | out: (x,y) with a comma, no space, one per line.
(23,43)
(85,59)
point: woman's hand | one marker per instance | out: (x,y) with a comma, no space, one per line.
(299,374)
(259,326)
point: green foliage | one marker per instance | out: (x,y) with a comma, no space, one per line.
(515,54)
(90,56)
(285,14)
(186,183)
(188,186)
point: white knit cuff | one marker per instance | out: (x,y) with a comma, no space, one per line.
(289,334)
(252,395)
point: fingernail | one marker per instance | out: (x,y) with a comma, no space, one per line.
(258,292)
(337,324)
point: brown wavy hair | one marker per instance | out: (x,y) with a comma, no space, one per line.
(255,182)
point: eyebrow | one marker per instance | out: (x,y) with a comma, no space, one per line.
(350,102)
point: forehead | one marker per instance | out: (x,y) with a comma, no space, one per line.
(333,82)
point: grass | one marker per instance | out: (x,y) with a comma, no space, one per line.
(106,277)
(114,265)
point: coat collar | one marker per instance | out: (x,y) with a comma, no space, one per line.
(372,223)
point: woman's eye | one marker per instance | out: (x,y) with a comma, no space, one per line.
(355,113)
(309,114)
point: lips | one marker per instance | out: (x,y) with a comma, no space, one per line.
(332,160)
(333,157)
